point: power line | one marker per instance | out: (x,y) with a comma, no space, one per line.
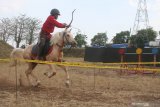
(141,19)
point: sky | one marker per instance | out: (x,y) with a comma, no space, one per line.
(91,16)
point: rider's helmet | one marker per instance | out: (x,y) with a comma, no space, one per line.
(55,12)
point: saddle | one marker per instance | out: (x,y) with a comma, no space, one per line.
(46,50)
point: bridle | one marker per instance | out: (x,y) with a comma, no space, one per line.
(63,40)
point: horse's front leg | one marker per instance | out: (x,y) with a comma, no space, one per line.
(67,74)
(51,72)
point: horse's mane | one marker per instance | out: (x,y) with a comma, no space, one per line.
(55,38)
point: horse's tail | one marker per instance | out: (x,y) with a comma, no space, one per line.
(16,54)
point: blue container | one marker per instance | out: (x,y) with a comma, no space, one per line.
(119,45)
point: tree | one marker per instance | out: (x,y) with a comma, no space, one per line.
(99,40)
(81,39)
(33,25)
(19,25)
(143,36)
(121,37)
(19,29)
(5,27)
(23,29)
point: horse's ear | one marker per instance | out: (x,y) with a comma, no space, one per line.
(70,30)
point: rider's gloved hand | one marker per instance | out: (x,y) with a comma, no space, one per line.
(67,26)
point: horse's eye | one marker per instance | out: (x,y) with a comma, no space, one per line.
(68,35)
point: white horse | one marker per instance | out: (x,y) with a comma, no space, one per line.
(57,41)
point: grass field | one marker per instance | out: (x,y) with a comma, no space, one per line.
(89,87)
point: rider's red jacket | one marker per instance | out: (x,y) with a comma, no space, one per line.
(50,24)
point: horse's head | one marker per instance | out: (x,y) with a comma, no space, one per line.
(63,38)
(68,38)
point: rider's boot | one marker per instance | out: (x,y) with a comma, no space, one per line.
(39,54)
(41,44)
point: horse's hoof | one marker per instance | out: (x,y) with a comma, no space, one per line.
(37,84)
(49,75)
(52,74)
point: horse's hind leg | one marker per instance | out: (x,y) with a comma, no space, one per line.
(35,77)
(28,72)
(67,74)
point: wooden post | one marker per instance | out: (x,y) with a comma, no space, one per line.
(94,78)
(16,82)
(155,59)
(122,65)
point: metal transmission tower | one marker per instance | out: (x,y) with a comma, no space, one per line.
(141,19)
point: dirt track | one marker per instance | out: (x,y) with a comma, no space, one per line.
(106,89)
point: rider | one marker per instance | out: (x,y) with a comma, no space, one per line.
(47,28)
